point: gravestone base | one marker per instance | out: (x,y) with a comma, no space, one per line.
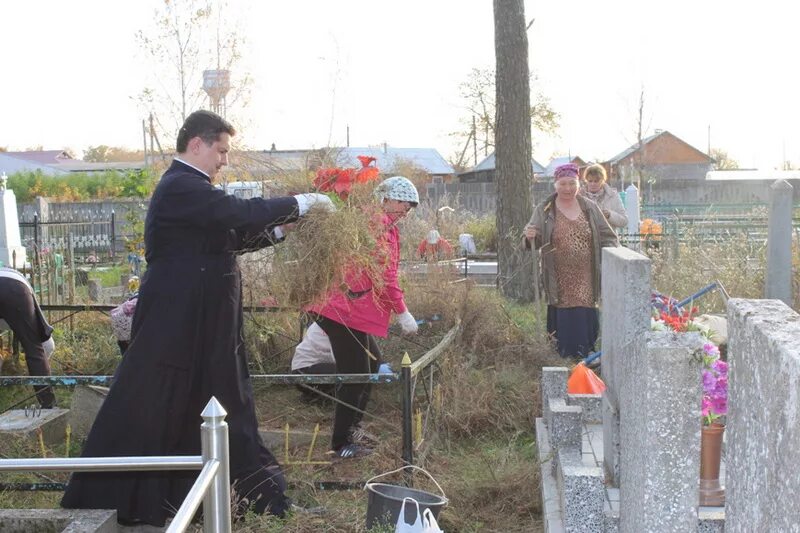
(58,520)
(86,402)
(15,425)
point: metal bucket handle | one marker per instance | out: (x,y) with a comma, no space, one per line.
(370,480)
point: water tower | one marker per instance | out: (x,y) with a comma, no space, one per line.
(216,84)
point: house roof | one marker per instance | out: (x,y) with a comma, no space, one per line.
(57,162)
(276,161)
(562,160)
(386,157)
(11,164)
(647,140)
(428,159)
(489,164)
(91,166)
(42,157)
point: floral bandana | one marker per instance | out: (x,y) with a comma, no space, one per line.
(570,170)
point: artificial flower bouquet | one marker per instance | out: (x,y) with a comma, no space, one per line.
(715,385)
(667,316)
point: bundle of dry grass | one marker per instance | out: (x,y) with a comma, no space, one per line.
(320,252)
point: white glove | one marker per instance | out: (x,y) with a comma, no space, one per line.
(49,347)
(312,199)
(407,322)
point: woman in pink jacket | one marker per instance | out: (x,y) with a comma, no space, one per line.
(352,317)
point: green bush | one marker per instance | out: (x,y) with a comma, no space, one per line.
(82,186)
(484,231)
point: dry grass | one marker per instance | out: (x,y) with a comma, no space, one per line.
(479,441)
(320,250)
(21,447)
(88,347)
(681,270)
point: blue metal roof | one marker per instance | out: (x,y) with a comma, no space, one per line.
(428,159)
(489,164)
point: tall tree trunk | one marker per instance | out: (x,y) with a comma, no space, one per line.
(513,171)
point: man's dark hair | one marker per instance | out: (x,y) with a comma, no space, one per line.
(204,124)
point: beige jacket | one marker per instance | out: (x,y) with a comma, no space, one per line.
(543,219)
(608,199)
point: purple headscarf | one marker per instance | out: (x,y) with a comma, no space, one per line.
(570,170)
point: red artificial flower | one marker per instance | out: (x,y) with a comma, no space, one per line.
(341,180)
(366,172)
(678,320)
(344,182)
(325,179)
(365,160)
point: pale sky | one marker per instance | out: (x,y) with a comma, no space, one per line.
(391,71)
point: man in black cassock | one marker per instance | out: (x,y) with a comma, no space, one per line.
(186,342)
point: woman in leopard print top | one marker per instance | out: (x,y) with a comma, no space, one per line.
(570,231)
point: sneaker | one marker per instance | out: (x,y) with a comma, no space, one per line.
(359,435)
(350,451)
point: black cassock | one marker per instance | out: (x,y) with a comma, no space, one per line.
(186,346)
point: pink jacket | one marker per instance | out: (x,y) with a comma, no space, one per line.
(362,308)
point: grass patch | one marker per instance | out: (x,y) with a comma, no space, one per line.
(478,439)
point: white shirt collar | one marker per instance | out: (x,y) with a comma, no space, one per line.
(190,165)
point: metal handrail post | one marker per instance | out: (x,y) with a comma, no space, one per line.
(188,508)
(214,439)
(408,444)
(113,233)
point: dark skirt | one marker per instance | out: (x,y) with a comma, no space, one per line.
(574,329)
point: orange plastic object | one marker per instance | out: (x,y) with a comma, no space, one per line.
(584,381)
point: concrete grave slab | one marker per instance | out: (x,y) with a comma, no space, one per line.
(711,522)
(566,425)
(554,385)
(551,501)
(58,521)
(591,405)
(660,435)
(21,424)
(625,296)
(86,402)
(763,422)
(582,495)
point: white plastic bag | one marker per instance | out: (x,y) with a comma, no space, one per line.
(402,526)
(467,243)
(429,523)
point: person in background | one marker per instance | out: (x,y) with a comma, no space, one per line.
(187,340)
(597,190)
(21,313)
(314,356)
(353,316)
(434,247)
(570,232)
